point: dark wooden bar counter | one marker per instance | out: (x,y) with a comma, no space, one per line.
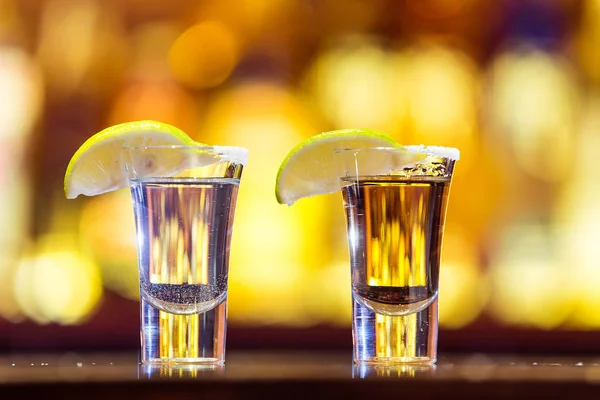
(296,375)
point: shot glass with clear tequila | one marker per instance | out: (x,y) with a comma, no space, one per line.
(184,200)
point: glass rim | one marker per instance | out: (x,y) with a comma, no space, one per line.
(234,154)
(183,147)
(450,153)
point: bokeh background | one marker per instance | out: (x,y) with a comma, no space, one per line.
(512,83)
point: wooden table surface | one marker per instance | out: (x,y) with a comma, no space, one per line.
(296,375)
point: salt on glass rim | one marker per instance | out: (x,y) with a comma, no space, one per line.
(233,154)
(435,151)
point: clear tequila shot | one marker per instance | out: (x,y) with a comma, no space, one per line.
(395,201)
(184,224)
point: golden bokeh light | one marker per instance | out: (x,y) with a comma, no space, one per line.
(419,95)
(204,55)
(577,218)
(587,38)
(533,105)
(81,47)
(57,283)
(479,194)
(274,247)
(358,16)
(160,101)
(149,45)
(464,290)
(333,303)
(22,100)
(250,20)
(150,92)
(66,65)
(529,282)
(24,291)
(9,307)
(67,287)
(10,22)
(436,94)
(350,82)
(111,240)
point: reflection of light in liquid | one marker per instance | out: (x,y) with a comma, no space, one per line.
(275,249)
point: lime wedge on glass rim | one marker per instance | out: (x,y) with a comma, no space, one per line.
(309,169)
(96,168)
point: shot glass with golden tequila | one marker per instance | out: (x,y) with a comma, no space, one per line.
(395,202)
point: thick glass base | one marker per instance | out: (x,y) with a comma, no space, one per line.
(183,339)
(384,339)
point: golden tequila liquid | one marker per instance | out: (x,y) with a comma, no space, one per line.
(395,226)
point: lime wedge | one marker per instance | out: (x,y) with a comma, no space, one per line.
(95,168)
(309,169)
